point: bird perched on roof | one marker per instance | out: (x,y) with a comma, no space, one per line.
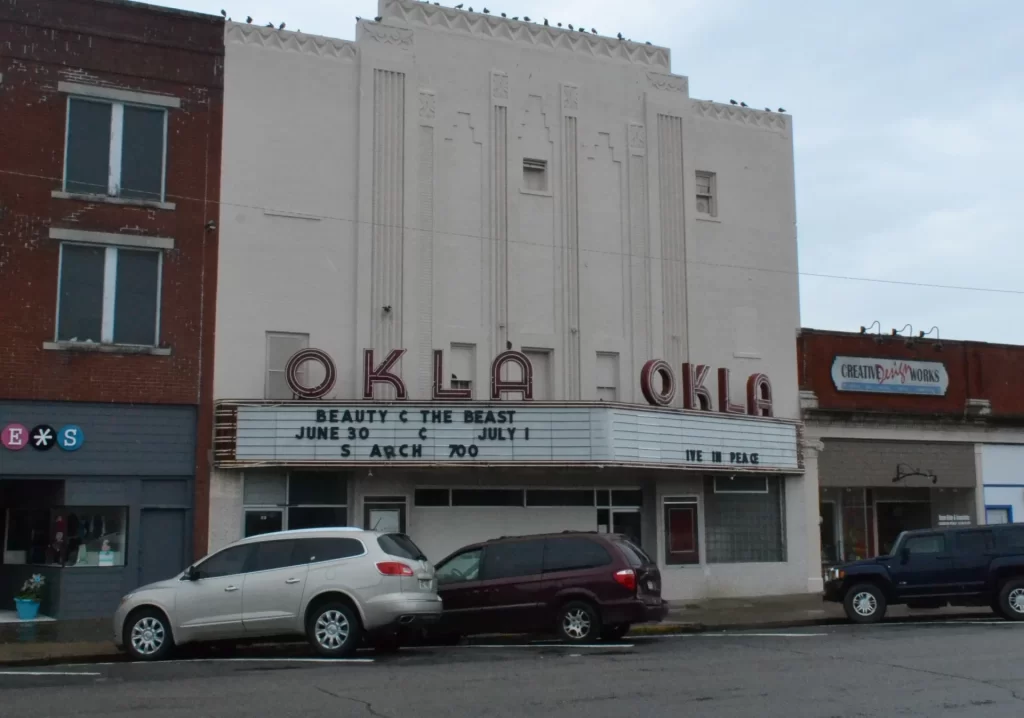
(459,6)
(526,18)
(593,31)
(486,11)
(249,19)
(559,24)
(570,26)
(281,26)
(378,18)
(270,24)
(504,15)
(733,102)
(767,109)
(619,36)
(224,13)
(516,17)
(782,109)
(743,104)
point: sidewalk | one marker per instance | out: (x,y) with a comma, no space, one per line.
(85,641)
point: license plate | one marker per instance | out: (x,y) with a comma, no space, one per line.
(652,586)
(425,584)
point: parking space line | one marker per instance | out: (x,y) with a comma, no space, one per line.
(730,635)
(550,645)
(47,673)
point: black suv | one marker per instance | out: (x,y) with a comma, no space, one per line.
(977,566)
(580,585)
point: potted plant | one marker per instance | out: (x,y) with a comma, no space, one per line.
(27,600)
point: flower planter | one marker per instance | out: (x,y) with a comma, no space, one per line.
(27,610)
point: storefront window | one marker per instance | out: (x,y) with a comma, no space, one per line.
(67,536)
(855,525)
(300,500)
(744,527)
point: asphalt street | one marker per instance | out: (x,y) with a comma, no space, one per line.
(973,668)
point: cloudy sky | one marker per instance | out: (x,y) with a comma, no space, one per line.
(909,132)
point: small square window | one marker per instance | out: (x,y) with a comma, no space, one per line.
(109,295)
(115,149)
(707,199)
(535,175)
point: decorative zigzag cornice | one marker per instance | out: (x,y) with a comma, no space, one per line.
(287,41)
(489,26)
(774,121)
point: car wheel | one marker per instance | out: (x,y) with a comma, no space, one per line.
(615,632)
(578,622)
(1011,600)
(333,630)
(865,603)
(147,635)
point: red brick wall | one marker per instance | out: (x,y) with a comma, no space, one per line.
(134,47)
(976,371)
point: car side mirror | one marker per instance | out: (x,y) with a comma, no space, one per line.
(191,574)
(905,555)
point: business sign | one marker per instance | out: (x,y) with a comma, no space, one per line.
(501,433)
(15,437)
(889,376)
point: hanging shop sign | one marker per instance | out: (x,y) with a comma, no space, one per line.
(501,433)
(43,437)
(658,382)
(889,376)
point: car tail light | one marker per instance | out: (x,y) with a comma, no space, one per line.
(393,568)
(627,578)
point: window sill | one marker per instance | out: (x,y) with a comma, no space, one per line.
(106,348)
(107,199)
(707,218)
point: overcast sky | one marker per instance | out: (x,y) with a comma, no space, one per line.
(909,134)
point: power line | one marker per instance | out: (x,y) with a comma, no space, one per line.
(720,265)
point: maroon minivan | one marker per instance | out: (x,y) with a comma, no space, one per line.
(580,585)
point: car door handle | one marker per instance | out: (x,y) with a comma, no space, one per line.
(293,580)
(231,588)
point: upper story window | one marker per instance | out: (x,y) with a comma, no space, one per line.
(118,149)
(281,346)
(707,194)
(109,295)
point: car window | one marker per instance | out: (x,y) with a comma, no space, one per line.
(460,568)
(229,562)
(401,546)
(921,545)
(573,554)
(516,558)
(974,542)
(635,555)
(268,555)
(314,550)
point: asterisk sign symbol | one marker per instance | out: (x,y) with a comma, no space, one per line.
(43,437)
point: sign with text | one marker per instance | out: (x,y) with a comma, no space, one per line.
(889,376)
(507,433)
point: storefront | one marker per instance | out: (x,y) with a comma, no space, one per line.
(95,497)
(718,499)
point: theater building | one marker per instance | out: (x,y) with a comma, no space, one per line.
(915,432)
(483,277)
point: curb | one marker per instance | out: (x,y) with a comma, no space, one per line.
(689,628)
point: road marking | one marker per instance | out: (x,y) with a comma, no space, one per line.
(731,635)
(47,673)
(550,645)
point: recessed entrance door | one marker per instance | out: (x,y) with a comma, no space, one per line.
(628,523)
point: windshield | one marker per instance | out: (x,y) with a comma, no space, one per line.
(401,546)
(895,548)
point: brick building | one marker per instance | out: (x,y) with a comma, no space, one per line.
(109,188)
(912,432)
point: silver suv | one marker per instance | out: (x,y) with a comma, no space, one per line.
(333,585)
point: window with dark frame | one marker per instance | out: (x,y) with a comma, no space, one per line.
(115,149)
(745,526)
(301,499)
(707,200)
(109,295)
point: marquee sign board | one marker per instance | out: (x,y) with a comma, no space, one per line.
(506,433)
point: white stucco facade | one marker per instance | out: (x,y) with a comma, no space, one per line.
(462,182)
